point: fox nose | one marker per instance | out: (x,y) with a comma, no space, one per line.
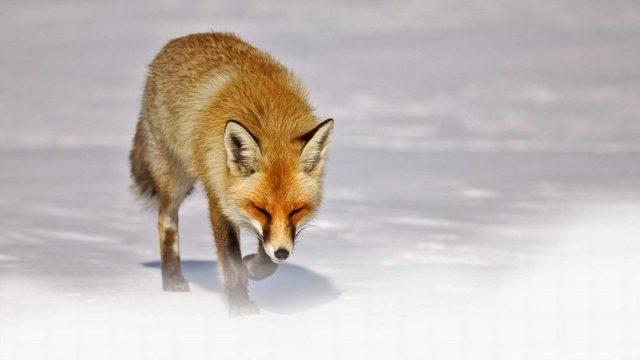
(281,254)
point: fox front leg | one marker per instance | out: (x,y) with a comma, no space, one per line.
(259,265)
(233,271)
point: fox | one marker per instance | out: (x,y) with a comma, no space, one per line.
(217,111)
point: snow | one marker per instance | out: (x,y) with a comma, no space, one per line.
(481,198)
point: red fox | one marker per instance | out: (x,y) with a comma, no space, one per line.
(219,111)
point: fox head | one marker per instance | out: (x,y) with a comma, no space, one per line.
(275,184)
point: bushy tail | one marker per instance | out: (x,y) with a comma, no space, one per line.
(143,184)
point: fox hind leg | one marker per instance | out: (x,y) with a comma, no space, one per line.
(172,277)
(170,184)
(171,196)
(161,180)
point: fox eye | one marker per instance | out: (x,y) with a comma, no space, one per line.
(295,211)
(263,211)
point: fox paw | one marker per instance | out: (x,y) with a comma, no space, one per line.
(258,270)
(175,284)
(244,308)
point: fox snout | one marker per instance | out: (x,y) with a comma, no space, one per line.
(282,254)
(279,253)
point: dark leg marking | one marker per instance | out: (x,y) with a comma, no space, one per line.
(172,277)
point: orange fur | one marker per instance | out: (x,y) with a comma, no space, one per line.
(263,172)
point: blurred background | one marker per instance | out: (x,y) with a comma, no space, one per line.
(481,195)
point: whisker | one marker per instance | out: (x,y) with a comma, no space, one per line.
(300,230)
(256,234)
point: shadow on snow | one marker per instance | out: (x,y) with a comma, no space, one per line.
(291,289)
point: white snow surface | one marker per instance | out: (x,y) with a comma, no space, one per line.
(481,200)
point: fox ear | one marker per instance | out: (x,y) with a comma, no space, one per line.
(243,152)
(316,143)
